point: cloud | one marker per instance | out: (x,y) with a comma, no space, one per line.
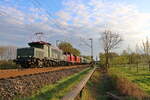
(90,18)
(77,18)
(17,26)
(117,16)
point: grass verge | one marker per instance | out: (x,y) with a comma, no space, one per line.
(58,90)
(141,78)
(97,87)
(132,83)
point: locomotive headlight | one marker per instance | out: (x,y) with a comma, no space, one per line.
(18,56)
(30,56)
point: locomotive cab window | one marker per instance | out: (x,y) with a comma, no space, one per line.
(41,46)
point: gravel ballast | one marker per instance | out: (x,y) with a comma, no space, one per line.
(23,86)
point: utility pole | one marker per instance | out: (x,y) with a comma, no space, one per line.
(89,45)
(91,48)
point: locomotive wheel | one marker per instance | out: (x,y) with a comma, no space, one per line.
(32,65)
(25,66)
(39,63)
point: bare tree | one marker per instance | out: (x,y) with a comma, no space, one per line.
(146,47)
(109,41)
(146,50)
(138,57)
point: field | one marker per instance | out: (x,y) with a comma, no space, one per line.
(141,76)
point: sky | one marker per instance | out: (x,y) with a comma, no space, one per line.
(74,21)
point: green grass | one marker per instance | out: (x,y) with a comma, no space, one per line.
(58,90)
(142,77)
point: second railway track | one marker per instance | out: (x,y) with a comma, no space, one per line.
(11,73)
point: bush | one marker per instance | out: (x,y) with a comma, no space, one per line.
(7,64)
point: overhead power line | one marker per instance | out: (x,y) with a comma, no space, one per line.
(2,12)
(88,45)
(84,41)
(50,17)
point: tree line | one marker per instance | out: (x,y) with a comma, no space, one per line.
(111,41)
(68,48)
(7,52)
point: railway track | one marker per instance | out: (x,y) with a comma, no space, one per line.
(10,73)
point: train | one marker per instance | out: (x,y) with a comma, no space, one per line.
(43,54)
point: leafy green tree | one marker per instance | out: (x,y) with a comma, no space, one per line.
(68,48)
(65,46)
(102,58)
(87,57)
(75,52)
(112,58)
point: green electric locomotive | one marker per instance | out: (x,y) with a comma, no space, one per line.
(40,54)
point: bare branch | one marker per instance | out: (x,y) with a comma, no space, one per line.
(110,41)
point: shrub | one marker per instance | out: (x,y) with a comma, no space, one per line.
(4,64)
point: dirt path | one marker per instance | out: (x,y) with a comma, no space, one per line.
(98,87)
